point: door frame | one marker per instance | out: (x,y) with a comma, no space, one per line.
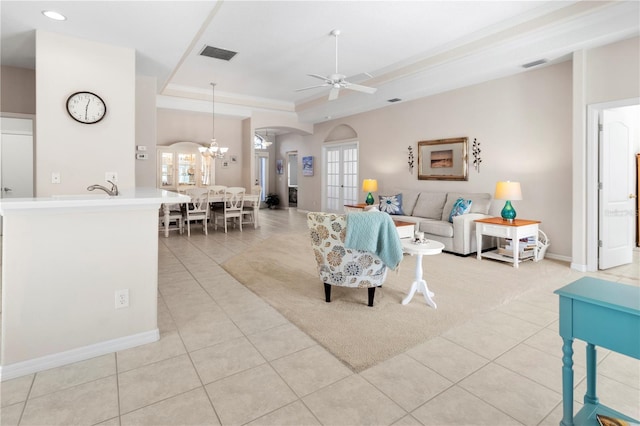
(325,146)
(593,160)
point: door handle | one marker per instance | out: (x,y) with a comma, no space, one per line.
(5,189)
(632,195)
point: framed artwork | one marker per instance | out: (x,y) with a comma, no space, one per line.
(443,159)
(234,159)
(279,167)
(307,166)
(225,163)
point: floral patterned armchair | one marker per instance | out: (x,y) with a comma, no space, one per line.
(338,265)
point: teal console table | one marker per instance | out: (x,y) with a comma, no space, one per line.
(601,313)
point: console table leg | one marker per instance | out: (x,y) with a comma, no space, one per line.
(567,382)
(590,397)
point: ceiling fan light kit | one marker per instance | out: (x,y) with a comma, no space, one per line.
(338,81)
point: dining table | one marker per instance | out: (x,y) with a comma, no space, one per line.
(254,199)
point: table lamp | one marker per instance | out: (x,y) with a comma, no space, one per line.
(369,185)
(508,191)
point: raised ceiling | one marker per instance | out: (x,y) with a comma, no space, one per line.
(410,49)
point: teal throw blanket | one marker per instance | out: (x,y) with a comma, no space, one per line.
(374,231)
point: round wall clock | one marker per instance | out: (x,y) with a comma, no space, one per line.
(86,107)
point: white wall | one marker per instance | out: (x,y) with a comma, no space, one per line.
(187,126)
(605,74)
(82,153)
(146,130)
(59,284)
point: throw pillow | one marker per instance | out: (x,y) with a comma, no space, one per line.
(391,204)
(461,206)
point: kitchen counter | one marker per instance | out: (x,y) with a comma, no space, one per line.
(66,262)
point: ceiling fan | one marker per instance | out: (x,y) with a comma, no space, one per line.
(337,81)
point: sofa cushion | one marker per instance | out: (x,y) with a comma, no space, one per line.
(461,206)
(391,204)
(429,205)
(480,202)
(437,227)
(409,199)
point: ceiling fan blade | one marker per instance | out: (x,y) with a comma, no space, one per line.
(360,88)
(320,77)
(333,94)
(312,87)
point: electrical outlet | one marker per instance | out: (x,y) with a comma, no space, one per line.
(122,298)
(112,176)
(55,177)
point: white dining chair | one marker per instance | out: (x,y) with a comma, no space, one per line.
(197,210)
(216,193)
(172,215)
(232,208)
(251,207)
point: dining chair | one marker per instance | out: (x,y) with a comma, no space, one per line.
(197,210)
(251,207)
(232,208)
(216,193)
(172,215)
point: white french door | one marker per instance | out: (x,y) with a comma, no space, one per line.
(262,172)
(341,176)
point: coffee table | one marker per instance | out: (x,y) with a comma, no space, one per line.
(427,248)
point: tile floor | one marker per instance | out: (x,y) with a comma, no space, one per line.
(226,357)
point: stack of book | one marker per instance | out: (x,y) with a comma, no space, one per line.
(526,248)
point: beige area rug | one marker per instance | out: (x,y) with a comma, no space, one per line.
(282,271)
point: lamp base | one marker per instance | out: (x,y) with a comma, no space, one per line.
(508,213)
(369,200)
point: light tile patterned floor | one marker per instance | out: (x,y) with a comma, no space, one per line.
(226,357)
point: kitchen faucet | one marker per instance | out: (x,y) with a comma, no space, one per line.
(113,191)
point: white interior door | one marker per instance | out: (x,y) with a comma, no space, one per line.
(341,176)
(617,191)
(16,158)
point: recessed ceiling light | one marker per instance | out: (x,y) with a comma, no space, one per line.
(51,14)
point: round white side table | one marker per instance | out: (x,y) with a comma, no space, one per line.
(419,284)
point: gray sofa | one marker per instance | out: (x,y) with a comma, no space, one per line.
(430,212)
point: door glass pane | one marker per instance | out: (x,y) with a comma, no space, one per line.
(186,169)
(167,169)
(350,175)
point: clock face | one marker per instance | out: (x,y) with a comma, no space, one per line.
(86,107)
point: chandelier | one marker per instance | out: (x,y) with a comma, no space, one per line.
(214,150)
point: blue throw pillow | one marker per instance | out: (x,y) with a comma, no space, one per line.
(461,206)
(391,204)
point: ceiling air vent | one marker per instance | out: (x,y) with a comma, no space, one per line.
(217,53)
(534,63)
(394,100)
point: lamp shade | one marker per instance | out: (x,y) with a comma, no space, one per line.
(508,191)
(369,185)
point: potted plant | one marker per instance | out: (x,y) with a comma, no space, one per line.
(272,200)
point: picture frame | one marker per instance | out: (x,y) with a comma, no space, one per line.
(225,163)
(307,166)
(234,159)
(279,167)
(443,159)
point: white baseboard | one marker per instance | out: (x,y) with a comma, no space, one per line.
(578,267)
(18,369)
(558,257)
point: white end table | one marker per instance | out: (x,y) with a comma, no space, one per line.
(419,284)
(498,227)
